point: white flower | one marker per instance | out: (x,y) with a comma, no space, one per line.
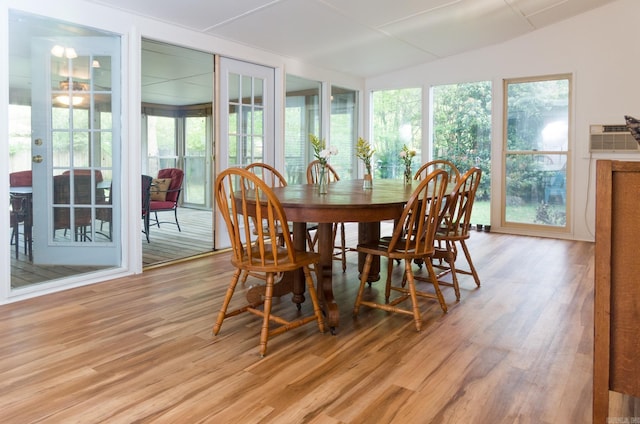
(325,153)
(403,154)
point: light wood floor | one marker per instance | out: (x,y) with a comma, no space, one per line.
(140,349)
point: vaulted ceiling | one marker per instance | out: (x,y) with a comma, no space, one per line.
(361,37)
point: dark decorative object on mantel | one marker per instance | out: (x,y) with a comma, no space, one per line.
(634,127)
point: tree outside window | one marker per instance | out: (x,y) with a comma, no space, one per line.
(397,121)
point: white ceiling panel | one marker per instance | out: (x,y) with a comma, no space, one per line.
(461,27)
(194,14)
(281,29)
(343,34)
(380,12)
(359,61)
(561,11)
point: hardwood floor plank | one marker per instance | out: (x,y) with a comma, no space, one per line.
(140,349)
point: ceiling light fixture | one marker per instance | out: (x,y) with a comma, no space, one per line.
(67,100)
(68,52)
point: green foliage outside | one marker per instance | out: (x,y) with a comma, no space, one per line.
(462,129)
(461,132)
(397,120)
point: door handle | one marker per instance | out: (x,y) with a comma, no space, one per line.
(37,159)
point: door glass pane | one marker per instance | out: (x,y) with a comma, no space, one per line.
(344,130)
(195,160)
(161,143)
(258,84)
(397,121)
(105,143)
(302,117)
(245,89)
(537,156)
(246,122)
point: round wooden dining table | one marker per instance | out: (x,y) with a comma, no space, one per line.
(346,201)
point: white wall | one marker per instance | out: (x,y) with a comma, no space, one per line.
(599,48)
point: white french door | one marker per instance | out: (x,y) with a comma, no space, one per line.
(246,120)
(76,150)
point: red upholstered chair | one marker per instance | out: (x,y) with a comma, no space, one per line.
(20,212)
(164,198)
(21,179)
(146,194)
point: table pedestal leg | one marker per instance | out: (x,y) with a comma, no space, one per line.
(325,285)
(300,244)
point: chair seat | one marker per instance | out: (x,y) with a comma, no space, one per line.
(381,248)
(156,205)
(283,264)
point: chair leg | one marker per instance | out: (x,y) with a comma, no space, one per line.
(472,268)
(14,234)
(417,318)
(314,297)
(225,303)
(436,286)
(363,280)
(175,214)
(268,297)
(343,247)
(389,270)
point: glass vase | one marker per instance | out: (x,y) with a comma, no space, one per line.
(408,176)
(368,182)
(323,181)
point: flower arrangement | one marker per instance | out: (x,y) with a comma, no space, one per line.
(406,155)
(320,151)
(365,151)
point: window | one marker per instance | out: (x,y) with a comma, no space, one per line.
(302,117)
(344,131)
(461,133)
(179,137)
(396,120)
(161,143)
(536,153)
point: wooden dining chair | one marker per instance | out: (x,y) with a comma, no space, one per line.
(313,173)
(455,230)
(274,178)
(428,167)
(236,191)
(413,238)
